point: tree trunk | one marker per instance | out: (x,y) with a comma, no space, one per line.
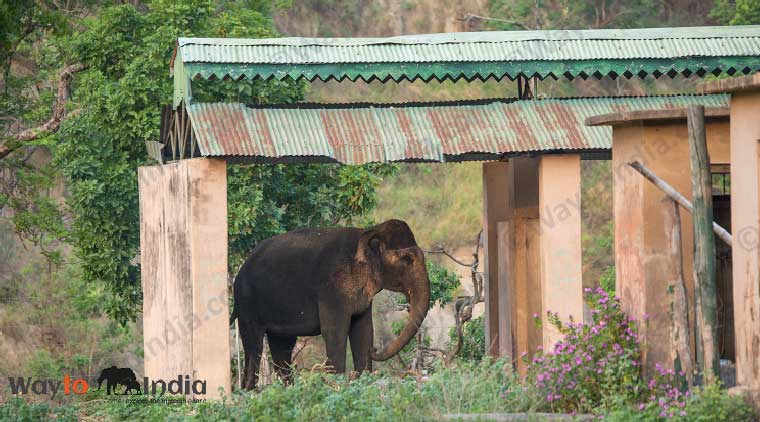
(679,304)
(704,242)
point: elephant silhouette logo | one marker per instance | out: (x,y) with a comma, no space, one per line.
(114,377)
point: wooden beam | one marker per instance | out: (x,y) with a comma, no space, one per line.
(704,242)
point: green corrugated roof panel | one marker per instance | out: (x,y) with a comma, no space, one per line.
(354,134)
(474,55)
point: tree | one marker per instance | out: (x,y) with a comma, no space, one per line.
(122,55)
(739,12)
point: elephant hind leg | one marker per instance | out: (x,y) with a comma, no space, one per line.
(282,353)
(253,343)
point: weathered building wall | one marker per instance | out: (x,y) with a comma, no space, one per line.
(644,249)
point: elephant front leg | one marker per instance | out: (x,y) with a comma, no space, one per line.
(361,336)
(334,326)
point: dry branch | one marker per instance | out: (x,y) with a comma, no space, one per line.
(722,233)
(54,123)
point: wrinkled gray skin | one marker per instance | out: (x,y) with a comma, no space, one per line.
(321,281)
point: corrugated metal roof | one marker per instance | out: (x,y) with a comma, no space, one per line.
(481,46)
(388,133)
(475,55)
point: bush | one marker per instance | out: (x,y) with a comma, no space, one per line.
(711,404)
(473,341)
(707,404)
(593,364)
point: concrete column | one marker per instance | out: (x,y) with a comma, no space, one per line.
(745,226)
(559,200)
(495,209)
(183,253)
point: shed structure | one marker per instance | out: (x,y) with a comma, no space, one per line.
(531,151)
(650,255)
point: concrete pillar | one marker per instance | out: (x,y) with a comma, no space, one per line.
(536,263)
(645,251)
(745,224)
(183,253)
(559,204)
(495,209)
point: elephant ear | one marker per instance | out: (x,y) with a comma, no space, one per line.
(370,247)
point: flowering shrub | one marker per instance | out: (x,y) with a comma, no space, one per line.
(595,363)
(666,393)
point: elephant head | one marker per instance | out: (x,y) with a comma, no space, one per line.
(397,264)
(105,375)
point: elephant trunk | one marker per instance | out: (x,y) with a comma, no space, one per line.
(419,301)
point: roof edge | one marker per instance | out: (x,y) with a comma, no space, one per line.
(694,32)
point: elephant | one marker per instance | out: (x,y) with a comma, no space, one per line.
(316,281)
(131,385)
(115,376)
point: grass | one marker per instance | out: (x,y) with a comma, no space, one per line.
(465,388)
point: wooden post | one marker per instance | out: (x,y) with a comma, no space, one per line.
(679,302)
(525,293)
(704,242)
(505,238)
(183,254)
(495,209)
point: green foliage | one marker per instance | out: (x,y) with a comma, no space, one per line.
(607,280)
(738,12)
(19,410)
(712,404)
(60,314)
(41,364)
(487,386)
(264,200)
(567,14)
(468,387)
(707,404)
(127,50)
(473,341)
(598,230)
(443,283)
